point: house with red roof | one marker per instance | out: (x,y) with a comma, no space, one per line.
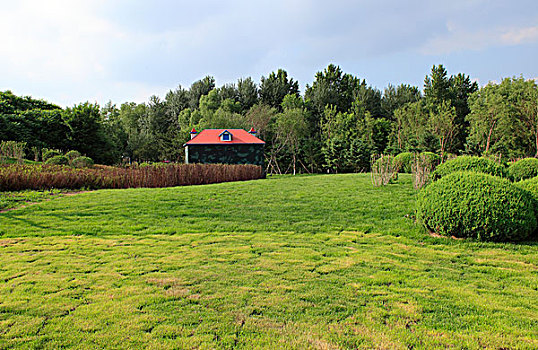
(225,146)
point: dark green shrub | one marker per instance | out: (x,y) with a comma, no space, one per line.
(82,162)
(51,153)
(476,205)
(523,169)
(404,161)
(57,160)
(72,155)
(467,163)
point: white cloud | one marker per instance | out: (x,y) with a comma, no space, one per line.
(520,36)
(458,39)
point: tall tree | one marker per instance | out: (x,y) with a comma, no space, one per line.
(292,127)
(247,92)
(275,87)
(437,85)
(492,120)
(397,97)
(200,88)
(86,132)
(332,87)
(443,125)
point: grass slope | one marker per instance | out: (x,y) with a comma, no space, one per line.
(320,262)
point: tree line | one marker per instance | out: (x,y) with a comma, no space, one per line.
(335,126)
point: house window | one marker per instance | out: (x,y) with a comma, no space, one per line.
(226,137)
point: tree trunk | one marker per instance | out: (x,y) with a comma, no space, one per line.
(489,136)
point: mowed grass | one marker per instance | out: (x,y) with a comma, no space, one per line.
(309,262)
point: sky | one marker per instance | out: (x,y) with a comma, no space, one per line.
(71,51)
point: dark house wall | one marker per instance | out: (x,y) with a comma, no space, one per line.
(225,154)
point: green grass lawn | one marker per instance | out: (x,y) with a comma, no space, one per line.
(315,262)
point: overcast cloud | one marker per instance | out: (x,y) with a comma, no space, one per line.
(73,51)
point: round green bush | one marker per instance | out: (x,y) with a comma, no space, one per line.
(523,169)
(404,161)
(467,163)
(82,162)
(57,160)
(432,159)
(476,205)
(72,155)
(530,185)
(51,153)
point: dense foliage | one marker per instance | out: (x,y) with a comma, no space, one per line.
(467,163)
(336,126)
(39,177)
(476,205)
(57,160)
(82,162)
(523,169)
(530,185)
(404,161)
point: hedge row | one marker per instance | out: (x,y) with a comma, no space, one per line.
(40,177)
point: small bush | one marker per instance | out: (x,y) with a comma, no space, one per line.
(51,153)
(467,163)
(384,170)
(431,159)
(82,162)
(404,162)
(422,166)
(476,205)
(523,169)
(71,155)
(57,160)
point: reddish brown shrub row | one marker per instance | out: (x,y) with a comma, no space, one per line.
(39,177)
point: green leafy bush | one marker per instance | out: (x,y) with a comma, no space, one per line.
(82,162)
(71,155)
(49,153)
(404,162)
(432,159)
(476,205)
(57,160)
(523,169)
(467,163)
(530,185)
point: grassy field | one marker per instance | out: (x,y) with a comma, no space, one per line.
(308,262)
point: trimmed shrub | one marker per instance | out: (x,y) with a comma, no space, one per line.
(404,162)
(50,153)
(476,205)
(523,169)
(57,160)
(467,163)
(530,185)
(82,162)
(71,155)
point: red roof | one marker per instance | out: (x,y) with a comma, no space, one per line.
(211,137)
